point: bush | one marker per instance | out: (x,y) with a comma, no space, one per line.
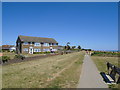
(109,54)
(13,51)
(47,52)
(18,56)
(41,52)
(5,51)
(5,59)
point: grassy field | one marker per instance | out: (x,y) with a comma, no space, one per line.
(100,62)
(62,71)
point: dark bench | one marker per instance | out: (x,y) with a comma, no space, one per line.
(105,77)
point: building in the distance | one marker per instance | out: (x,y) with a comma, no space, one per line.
(28,44)
(8,48)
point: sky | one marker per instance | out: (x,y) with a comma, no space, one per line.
(88,24)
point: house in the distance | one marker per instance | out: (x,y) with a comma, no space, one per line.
(8,48)
(28,44)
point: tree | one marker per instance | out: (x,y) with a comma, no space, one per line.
(89,49)
(79,47)
(73,47)
(65,47)
(68,47)
(68,43)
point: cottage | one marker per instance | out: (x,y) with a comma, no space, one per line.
(28,44)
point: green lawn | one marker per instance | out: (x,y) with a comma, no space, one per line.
(100,62)
(61,71)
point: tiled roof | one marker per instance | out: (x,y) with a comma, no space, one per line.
(37,39)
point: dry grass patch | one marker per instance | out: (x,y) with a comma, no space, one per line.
(43,72)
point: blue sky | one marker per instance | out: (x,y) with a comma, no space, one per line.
(91,25)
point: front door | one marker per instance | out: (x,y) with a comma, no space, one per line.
(30,50)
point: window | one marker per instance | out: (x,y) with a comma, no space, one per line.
(55,44)
(37,50)
(25,49)
(47,49)
(54,49)
(37,44)
(50,44)
(46,44)
(25,43)
(30,43)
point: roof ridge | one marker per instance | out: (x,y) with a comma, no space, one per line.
(33,36)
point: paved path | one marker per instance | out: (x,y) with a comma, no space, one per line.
(90,77)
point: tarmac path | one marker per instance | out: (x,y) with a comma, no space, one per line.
(90,76)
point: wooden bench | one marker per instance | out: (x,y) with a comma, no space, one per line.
(112,74)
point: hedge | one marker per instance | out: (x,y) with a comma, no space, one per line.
(98,53)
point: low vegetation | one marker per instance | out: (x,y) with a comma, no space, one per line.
(18,56)
(107,54)
(5,59)
(60,71)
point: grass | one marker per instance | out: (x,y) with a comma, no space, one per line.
(102,67)
(12,54)
(53,72)
(107,54)
(9,54)
(101,62)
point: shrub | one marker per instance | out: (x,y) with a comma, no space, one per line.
(41,52)
(5,51)
(38,52)
(110,54)
(5,59)
(19,56)
(13,51)
(47,52)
